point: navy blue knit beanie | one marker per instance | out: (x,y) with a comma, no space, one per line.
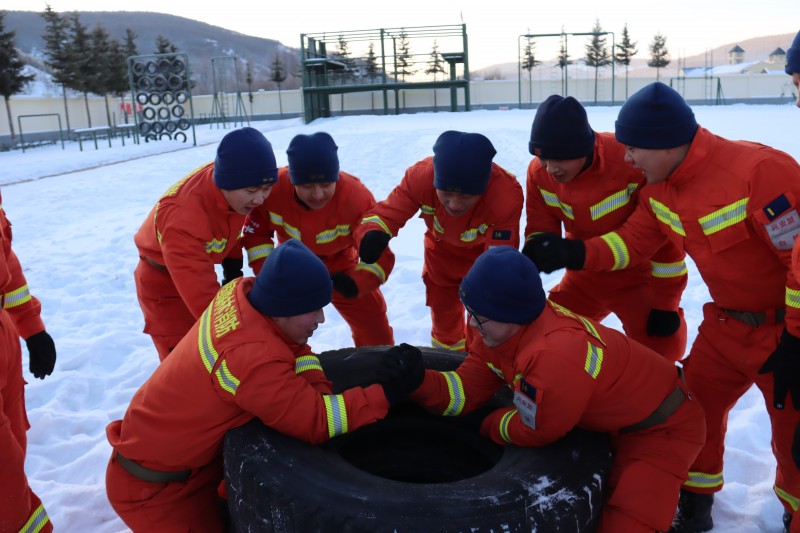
(655,117)
(561,130)
(293,281)
(244,159)
(313,159)
(793,56)
(462,162)
(503,285)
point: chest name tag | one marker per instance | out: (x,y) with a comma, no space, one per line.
(782,230)
(525,402)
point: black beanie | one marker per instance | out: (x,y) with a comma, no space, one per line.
(313,159)
(503,285)
(655,117)
(293,281)
(561,130)
(244,159)
(462,162)
(793,56)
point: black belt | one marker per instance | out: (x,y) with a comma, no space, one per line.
(755,319)
(155,265)
(670,404)
(148,474)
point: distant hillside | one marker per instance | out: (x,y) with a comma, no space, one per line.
(755,49)
(199,40)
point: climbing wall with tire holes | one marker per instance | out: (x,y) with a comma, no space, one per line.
(162,95)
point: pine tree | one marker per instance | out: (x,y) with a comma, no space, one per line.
(562,60)
(371,63)
(130,48)
(659,54)
(342,53)
(278,75)
(12,80)
(248,79)
(403,58)
(435,64)
(79,50)
(625,52)
(55,48)
(164,45)
(597,54)
(529,61)
(102,65)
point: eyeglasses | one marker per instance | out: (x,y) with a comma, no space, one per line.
(478,322)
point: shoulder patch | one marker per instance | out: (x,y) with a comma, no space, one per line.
(501,235)
(776,207)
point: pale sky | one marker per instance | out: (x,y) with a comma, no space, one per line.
(493,27)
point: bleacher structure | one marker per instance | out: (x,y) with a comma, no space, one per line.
(383,61)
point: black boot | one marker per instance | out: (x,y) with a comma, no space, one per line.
(787,521)
(694,513)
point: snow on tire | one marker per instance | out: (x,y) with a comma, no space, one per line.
(412,471)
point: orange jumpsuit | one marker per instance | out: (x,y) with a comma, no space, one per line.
(567,371)
(189,230)
(233,365)
(329,233)
(732,206)
(597,201)
(451,244)
(20,509)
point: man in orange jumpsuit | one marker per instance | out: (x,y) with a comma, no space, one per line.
(793,65)
(320,205)
(194,226)
(569,371)
(732,206)
(245,357)
(20,509)
(579,178)
(468,204)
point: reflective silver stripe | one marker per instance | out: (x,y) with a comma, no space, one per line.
(260,251)
(505,420)
(594,360)
(375,219)
(793,501)
(703,480)
(216,245)
(666,216)
(725,217)
(792,298)
(305,363)
(375,268)
(336,412)
(330,235)
(37,521)
(668,270)
(472,234)
(426,209)
(457,397)
(290,230)
(16,297)
(613,202)
(436,226)
(618,249)
(552,200)
(459,346)
(496,370)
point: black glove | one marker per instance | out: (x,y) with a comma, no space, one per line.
(662,323)
(785,363)
(550,252)
(401,371)
(372,245)
(231,269)
(42,352)
(345,285)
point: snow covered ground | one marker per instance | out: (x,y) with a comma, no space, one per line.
(75,213)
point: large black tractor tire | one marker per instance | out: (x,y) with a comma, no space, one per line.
(412,471)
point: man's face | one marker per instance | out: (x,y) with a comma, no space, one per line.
(243,201)
(656,165)
(796,83)
(492,332)
(299,328)
(315,195)
(563,170)
(456,203)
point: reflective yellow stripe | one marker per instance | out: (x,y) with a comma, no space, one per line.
(517,378)
(329,235)
(290,230)
(496,371)
(613,202)
(619,249)
(377,220)
(666,216)
(594,360)
(216,245)
(17,297)
(793,501)
(472,234)
(260,251)
(459,346)
(457,397)
(582,319)
(668,270)
(725,217)
(36,522)
(305,363)
(218,319)
(505,420)
(792,298)
(426,209)
(436,226)
(704,481)
(336,412)
(227,381)
(552,200)
(375,268)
